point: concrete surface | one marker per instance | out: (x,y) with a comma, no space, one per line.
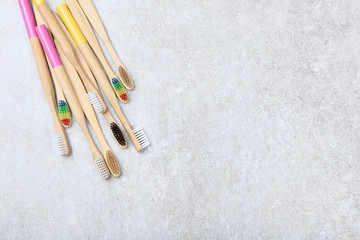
(252,109)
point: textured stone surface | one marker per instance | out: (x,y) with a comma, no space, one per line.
(252,109)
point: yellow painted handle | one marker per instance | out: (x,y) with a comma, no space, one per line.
(71,24)
(37,2)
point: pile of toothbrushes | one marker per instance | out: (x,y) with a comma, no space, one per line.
(72,68)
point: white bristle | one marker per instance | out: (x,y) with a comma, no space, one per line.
(95,102)
(100,165)
(141,137)
(59,145)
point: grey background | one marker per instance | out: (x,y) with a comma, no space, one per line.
(252,109)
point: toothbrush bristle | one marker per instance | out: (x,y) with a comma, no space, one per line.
(141,137)
(95,102)
(59,145)
(125,77)
(118,134)
(64,113)
(101,167)
(113,164)
(120,90)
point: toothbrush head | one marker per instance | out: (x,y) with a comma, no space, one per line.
(120,90)
(118,135)
(95,102)
(141,137)
(126,77)
(60,147)
(112,164)
(64,113)
(101,167)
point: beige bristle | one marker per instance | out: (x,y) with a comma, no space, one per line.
(113,164)
(126,78)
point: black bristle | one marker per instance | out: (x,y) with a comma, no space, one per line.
(118,134)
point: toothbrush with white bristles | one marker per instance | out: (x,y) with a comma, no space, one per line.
(71,96)
(61,144)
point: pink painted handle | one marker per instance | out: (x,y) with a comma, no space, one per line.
(28,17)
(48,46)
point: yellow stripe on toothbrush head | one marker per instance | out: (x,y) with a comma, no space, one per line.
(71,24)
(37,2)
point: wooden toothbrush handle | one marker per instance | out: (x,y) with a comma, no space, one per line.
(96,69)
(94,18)
(46,81)
(55,28)
(78,87)
(93,86)
(87,30)
(75,106)
(89,85)
(81,19)
(96,22)
(43,70)
(60,36)
(58,90)
(48,88)
(40,21)
(126,125)
(70,94)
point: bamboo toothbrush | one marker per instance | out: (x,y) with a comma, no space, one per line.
(110,158)
(55,29)
(137,136)
(70,94)
(61,141)
(90,36)
(95,20)
(116,131)
(63,107)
